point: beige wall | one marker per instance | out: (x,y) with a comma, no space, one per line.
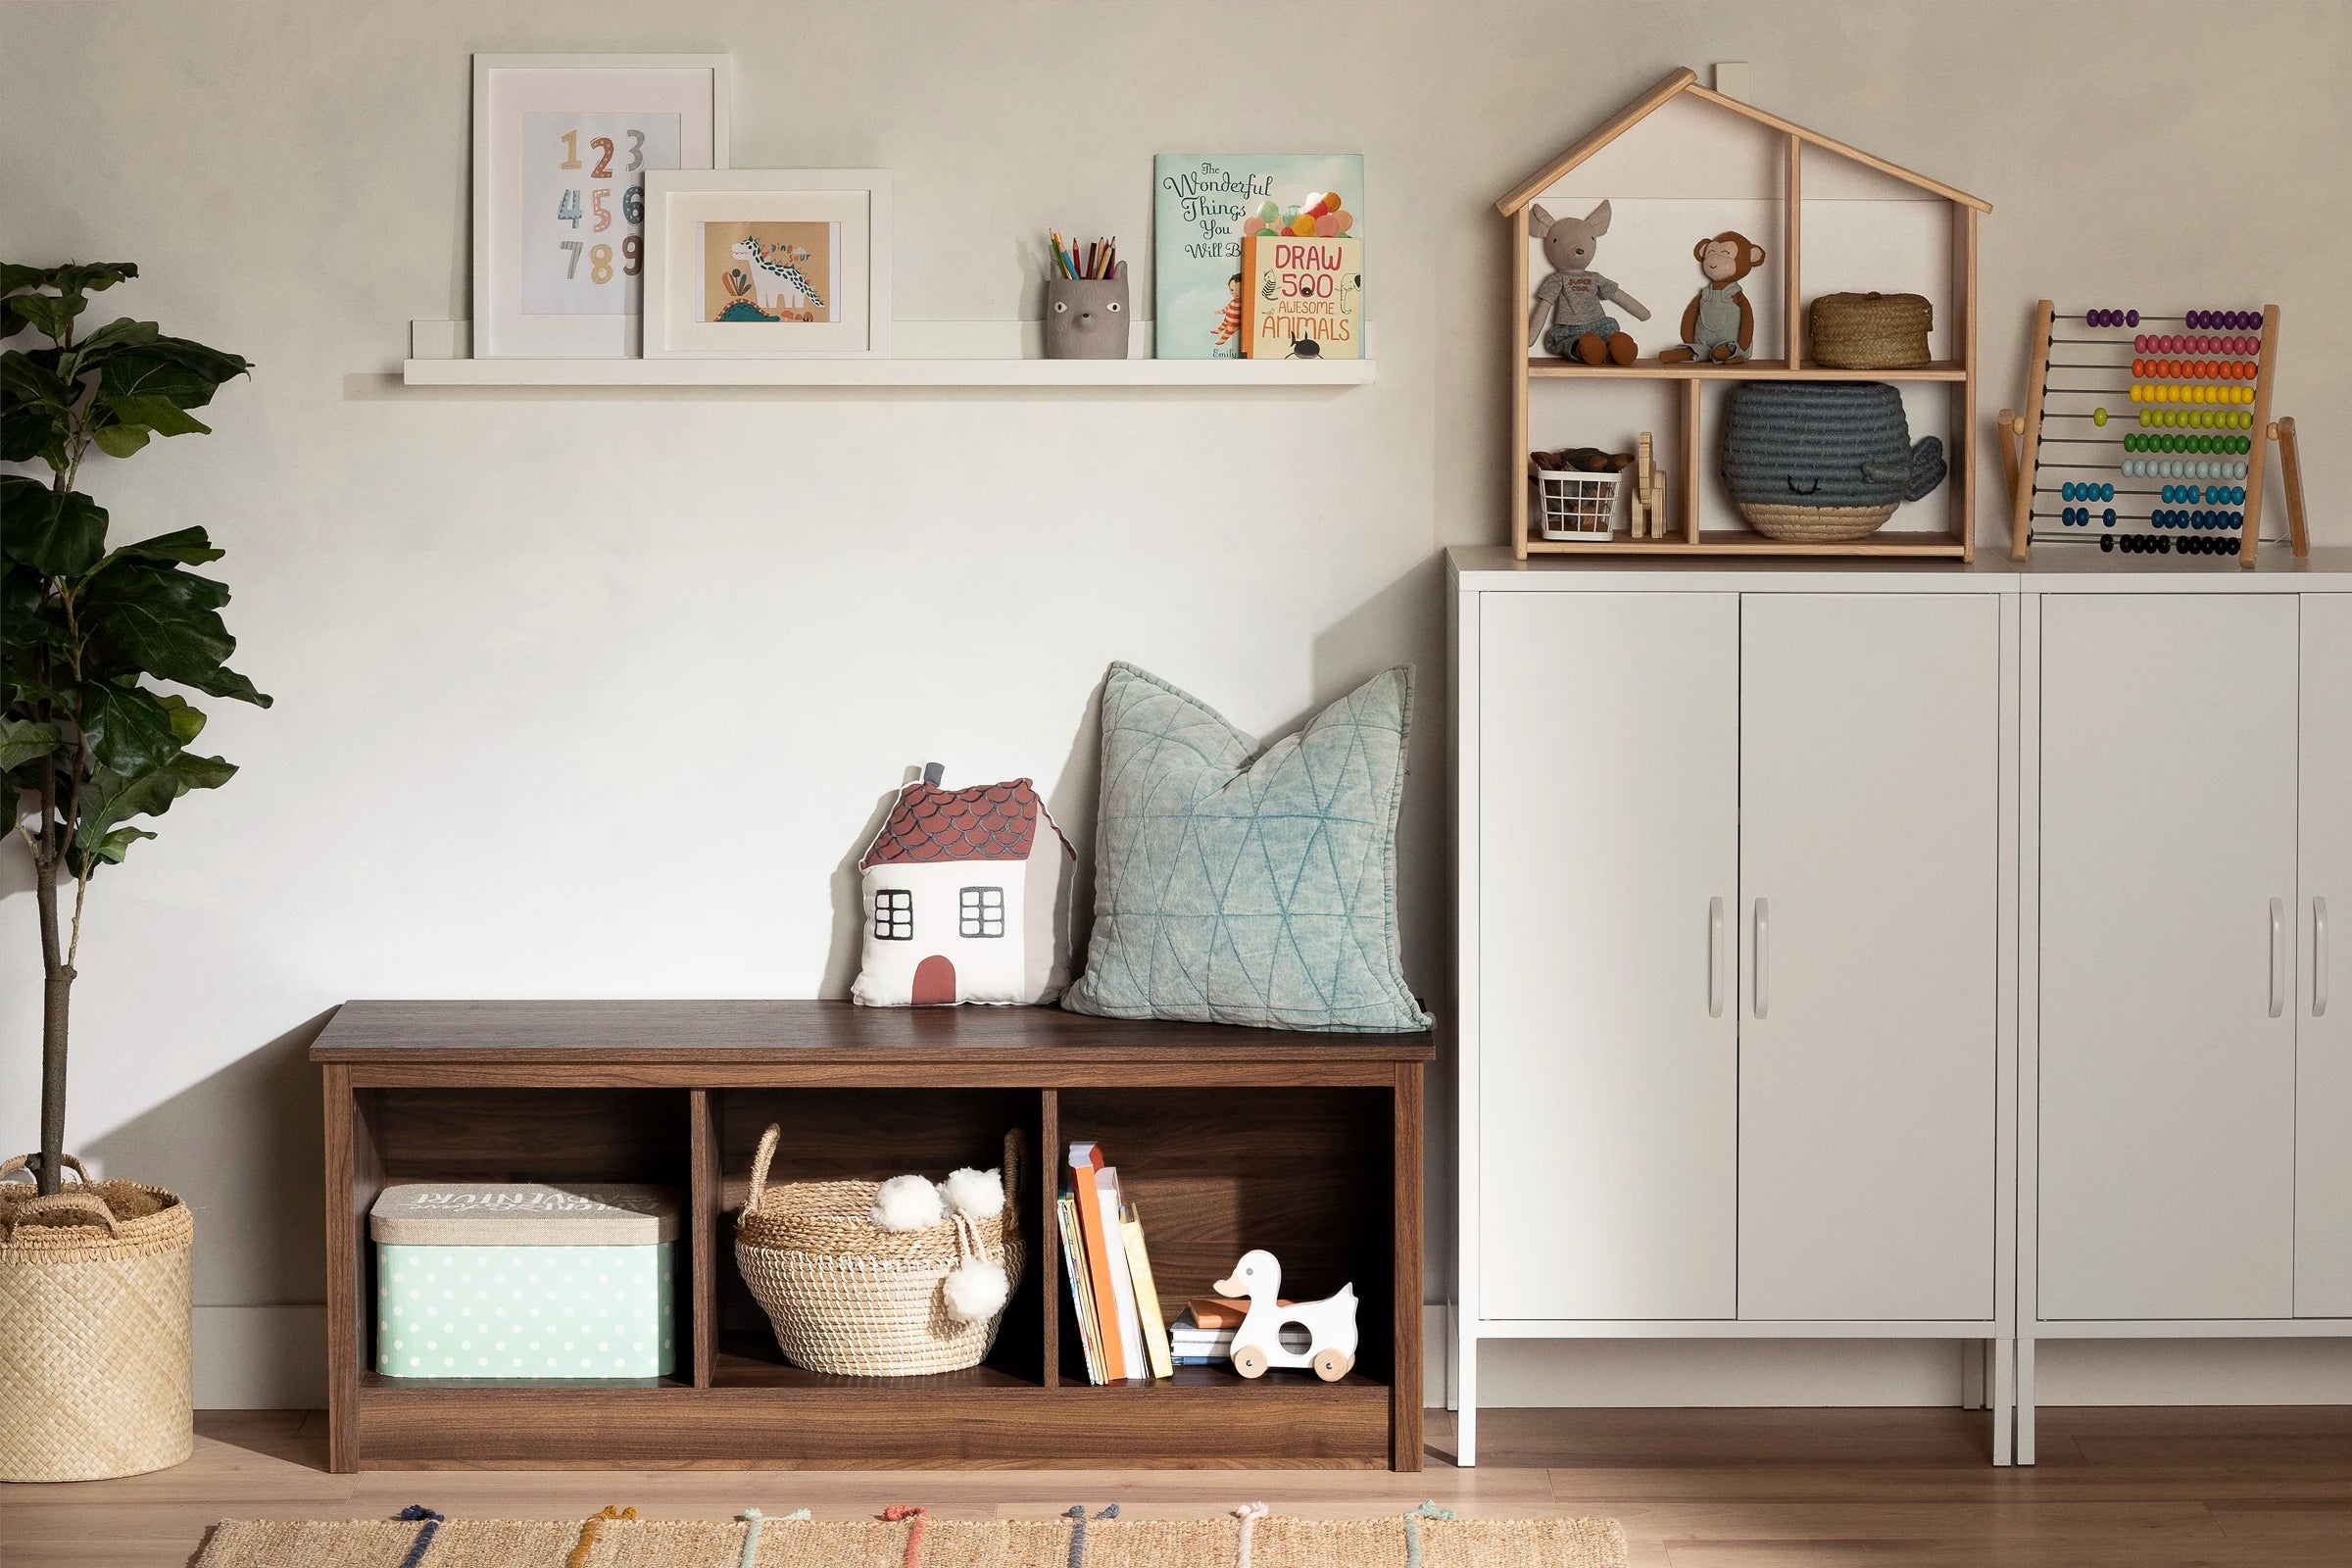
(596,694)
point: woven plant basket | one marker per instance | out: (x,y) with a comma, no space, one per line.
(96,1377)
(845,1295)
(1871,332)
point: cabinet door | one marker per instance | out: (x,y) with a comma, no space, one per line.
(1869,880)
(2324,993)
(2166,882)
(1607,824)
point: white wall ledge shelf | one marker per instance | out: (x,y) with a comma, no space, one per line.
(1229,374)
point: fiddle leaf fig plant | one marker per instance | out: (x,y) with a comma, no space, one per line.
(93,740)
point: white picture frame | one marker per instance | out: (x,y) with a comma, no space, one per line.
(523,306)
(687,213)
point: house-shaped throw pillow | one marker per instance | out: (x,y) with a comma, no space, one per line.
(967,899)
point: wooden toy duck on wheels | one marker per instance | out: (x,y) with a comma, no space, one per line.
(1317,1334)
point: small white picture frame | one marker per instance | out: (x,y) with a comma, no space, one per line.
(768,264)
(562,145)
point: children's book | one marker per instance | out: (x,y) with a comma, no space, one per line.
(1097,1188)
(1120,1315)
(1198,201)
(1303,298)
(1146,1292)
(1082,1298)
(1218,1311)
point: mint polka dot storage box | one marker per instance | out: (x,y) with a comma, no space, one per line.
(525,1279)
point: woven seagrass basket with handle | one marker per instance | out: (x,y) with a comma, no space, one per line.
(96,1292)
(845,1295)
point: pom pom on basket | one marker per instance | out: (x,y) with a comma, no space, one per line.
(908,1204)
(847,1295)
(979,1194)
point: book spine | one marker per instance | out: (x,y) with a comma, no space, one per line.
(1249,302)
(1086,1183)
(1123,1314)
(1082,1304)
(1146,1292)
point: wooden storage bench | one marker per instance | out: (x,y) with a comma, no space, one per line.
(1226,1138)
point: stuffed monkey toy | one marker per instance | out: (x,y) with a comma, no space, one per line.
(1719,325)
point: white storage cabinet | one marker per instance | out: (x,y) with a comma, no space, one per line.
(2188,1062)
(1734,988)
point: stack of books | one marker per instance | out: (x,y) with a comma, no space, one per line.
(1110,1274)
(1202,1333)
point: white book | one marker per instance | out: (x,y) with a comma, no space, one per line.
(1122,1285)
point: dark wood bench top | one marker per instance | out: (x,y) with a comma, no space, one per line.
(751,1033)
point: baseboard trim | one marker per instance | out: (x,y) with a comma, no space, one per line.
(1692,1373)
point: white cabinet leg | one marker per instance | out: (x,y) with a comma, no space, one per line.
(2025,1398)
(1465,1421)
(2001,1398)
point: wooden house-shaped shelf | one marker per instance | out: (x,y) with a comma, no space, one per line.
(1681,163)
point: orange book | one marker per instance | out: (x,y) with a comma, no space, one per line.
(1102,1250)
(1222,1312)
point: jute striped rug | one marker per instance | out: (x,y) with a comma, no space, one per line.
(1429,1537)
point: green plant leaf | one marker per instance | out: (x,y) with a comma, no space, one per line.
(121,332)
(187,720)
(110,798)
(110,850)
(20,595)
(167,621)
(52,314)
(157,414)
(31,380)
(129,729)
(33,400)
(90,275)
(187,373)
(61,533)
(25,740)
(189,546)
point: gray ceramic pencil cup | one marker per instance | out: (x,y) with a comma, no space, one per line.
(1085,318)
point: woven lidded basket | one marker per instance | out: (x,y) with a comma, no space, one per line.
(96,1375)
(1871,332)
(845,1295)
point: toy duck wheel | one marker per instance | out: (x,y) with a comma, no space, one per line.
(1249,1360)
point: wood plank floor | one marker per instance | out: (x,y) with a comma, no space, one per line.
(1715,1489)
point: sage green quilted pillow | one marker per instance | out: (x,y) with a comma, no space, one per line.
(1248,889)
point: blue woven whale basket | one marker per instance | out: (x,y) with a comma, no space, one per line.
(1822,462)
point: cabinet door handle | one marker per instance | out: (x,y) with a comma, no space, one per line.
(2278,951)
(1763,957)
(1715,975)
(2319,957)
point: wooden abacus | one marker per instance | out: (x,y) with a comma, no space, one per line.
(2198,410)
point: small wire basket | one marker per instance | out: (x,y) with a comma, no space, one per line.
(1571,504)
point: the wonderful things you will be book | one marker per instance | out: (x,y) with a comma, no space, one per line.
(1199,203)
